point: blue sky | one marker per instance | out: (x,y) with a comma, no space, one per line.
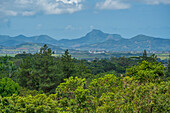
(74,18)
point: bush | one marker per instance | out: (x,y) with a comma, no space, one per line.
(104,95)
(8,87)
(147,72)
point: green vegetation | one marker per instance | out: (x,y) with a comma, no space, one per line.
(168,69)
(7,67)
(163,56)
(146,71)
(105,94)
(90,56)
(40,82)
(8,87)
(12,55)
(43,72)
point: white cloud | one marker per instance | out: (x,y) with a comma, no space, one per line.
(10,12)
(72,28)
(28,13)
(112,4)
(69,27)
(91,27)
(125,4)
(60,6)
(31,7)
(156,2)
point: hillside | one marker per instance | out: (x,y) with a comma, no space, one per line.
(94,40)
(95,36)
(13,41)
(137,43)
(37,45)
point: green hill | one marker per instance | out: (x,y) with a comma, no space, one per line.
(94,40)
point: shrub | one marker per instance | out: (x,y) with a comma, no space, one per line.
(8,87)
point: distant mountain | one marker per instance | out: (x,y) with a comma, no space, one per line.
(137,43)
(94,40)
(4,38)
(13,41)
(37,46)
(95,36)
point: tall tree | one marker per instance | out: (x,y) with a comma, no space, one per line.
(67,64)
(40,72)
(7,67)
(144,57)
(168,69)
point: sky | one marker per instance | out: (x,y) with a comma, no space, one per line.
(70,19)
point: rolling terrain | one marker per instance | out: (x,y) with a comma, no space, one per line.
(94,40)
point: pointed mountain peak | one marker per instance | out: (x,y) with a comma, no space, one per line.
(20,36)
(44,36)
(96,31)
(141,35)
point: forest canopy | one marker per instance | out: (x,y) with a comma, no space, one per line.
(43,83)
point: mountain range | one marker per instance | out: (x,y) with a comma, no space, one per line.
(20,39)
(94,40)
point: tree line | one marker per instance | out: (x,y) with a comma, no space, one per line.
(43,83)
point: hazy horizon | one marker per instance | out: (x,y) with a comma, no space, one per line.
(70,19)
(83,35)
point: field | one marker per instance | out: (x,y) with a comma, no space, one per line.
(12,55)
(102,55)
(163,56)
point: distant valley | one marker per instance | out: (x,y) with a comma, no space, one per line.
(94,40)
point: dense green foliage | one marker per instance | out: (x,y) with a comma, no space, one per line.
(8,87)
(39,72)
(63,84)
(43,72)
(7,67)
(105,94)
(147,71)
(168,69)
(152,58)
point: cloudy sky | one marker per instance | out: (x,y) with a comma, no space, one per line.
(74,18)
